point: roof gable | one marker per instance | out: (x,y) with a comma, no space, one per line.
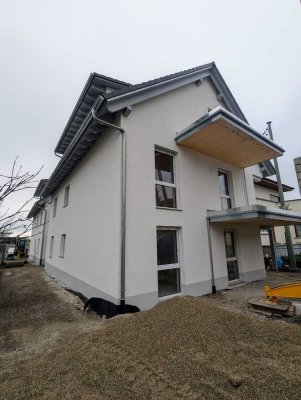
(143,91)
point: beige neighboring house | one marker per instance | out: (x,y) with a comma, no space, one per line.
(292,205)
(267,194)
(266,191)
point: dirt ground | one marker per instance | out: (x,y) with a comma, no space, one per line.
(184,348)
(237,298)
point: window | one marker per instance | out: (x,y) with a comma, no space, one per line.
(62,247)
(165,180)
(298,231)
(66,196)
(54,207)
(275,199)
(224,189)
(168,261)
(231,256)
(38,246)
(51,246)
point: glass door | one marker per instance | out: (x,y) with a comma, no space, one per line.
(231,255)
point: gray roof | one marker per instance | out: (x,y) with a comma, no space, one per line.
(96,85)
(35,209)
(153,82)
(143,91)
(40,187)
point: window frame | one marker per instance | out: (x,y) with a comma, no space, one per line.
(172,154)
(225,196)
(54,207)
(63,245)
(51,246)
(66,195)
(236,257)
(174,265)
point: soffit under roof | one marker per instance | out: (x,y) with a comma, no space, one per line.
(96,85)
(221,135)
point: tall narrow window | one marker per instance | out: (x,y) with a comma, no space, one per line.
(54,207)
(51,246)
(168,262)
(62,246)
(38,246)
(165,180)
(224,189)
(231,256)
(66,196)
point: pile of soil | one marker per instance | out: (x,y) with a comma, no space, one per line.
(184,348)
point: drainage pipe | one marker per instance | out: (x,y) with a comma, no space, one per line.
(123,201)
(211,259)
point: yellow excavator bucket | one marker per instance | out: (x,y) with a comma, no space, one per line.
(291,290)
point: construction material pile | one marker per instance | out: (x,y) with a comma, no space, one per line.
(184,348)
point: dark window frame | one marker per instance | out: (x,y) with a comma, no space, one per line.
(164,185)
(176,266)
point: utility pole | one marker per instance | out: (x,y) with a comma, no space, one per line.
(288,238)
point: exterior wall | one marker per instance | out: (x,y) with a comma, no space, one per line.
(90,222)
(39,233)
(155,123)
(294,205)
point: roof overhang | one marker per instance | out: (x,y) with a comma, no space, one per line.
(96,85)
(270,184)
(40,187)
(255,215)
(222,135)
(35,209)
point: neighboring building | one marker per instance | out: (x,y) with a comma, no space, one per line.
(267,194)
(39,232)
(292,205)
(181,218)
(297,162)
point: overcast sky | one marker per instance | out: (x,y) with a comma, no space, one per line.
(48,49)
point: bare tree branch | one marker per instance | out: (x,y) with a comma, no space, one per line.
(11,183)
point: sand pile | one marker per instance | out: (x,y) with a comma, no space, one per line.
(185,348)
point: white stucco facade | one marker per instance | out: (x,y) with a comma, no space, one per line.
(39,237)
(90,222)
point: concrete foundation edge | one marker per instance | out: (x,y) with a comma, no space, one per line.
(147,300)
(71,282)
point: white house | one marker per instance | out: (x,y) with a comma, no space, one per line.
(153,195)
(39,232)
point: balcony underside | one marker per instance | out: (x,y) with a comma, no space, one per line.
(255,215)
(221,135)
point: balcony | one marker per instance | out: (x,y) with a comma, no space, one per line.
(255,215)
(221,135)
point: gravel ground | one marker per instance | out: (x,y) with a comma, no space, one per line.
(184,348)
(237,297)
